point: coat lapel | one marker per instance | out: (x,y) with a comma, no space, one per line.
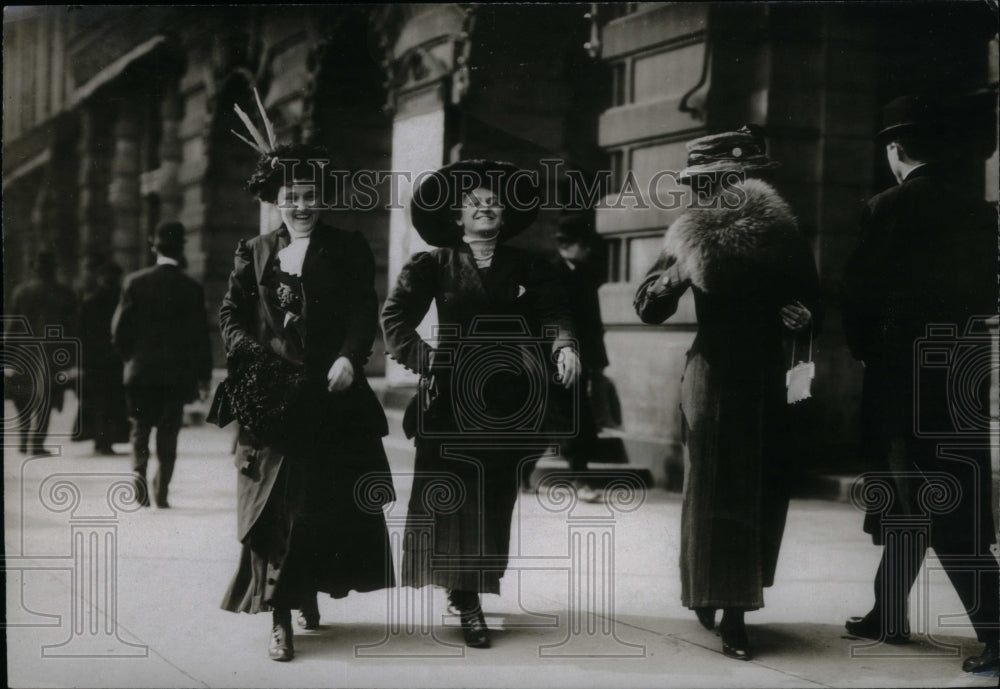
(271,245)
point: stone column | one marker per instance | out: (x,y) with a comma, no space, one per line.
(93,218)
(420,64)
(170,155)
(127,244)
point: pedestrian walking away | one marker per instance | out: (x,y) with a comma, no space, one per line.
(926,262)
(160,329)
(35,384)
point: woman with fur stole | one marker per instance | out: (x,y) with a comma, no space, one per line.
(754,280)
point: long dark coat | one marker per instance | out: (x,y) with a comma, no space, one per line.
(460,451)
(160,328)
(927,256)
(743,265)
(103,414)
(298,516)
(43,303)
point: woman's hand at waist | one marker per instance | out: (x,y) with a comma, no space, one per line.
(341,375)
(568,366)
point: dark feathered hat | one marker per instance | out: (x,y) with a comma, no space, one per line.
(438,198)
(277,163)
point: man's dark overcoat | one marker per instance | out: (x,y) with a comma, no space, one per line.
(927,256)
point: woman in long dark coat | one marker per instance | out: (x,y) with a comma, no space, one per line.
(481,380)
(754,281)
(302,299)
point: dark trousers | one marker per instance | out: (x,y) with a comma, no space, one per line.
(975,576)
(162,407)
(33,423)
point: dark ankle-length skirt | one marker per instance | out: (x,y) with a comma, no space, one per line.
(459,518)
(311,536)
(735,485)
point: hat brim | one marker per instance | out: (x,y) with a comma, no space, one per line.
(438,199)
(727,166)
(915,127)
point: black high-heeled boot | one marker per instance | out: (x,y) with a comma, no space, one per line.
(308,617)
(281,648)
(733,630)
(470,613)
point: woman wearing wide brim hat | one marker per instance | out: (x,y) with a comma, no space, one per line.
(502,320)
(298,322)
(755,284)
(440,193)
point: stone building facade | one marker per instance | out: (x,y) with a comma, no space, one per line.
(117,118)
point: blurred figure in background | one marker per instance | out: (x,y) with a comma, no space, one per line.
(44,303)
(576,239)
(103,401)
(160,328)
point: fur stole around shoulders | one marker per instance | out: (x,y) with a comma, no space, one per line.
(750,233)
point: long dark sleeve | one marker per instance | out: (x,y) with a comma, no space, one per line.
(865,288)
(405,309)
(656,304)
(123,323)
(553,305)
(235,305)
(362,319)
(203,343)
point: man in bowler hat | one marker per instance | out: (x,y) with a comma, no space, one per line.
(926,258)
(160,328)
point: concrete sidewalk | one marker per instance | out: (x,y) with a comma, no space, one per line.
(157,577)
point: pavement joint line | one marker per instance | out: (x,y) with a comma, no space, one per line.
(119,625)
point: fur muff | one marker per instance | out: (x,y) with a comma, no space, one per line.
(720,248)
(267,395)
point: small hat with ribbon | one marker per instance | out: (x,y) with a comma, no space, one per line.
(743,150)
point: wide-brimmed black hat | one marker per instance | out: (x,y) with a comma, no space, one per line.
(438,199)
(920,114)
